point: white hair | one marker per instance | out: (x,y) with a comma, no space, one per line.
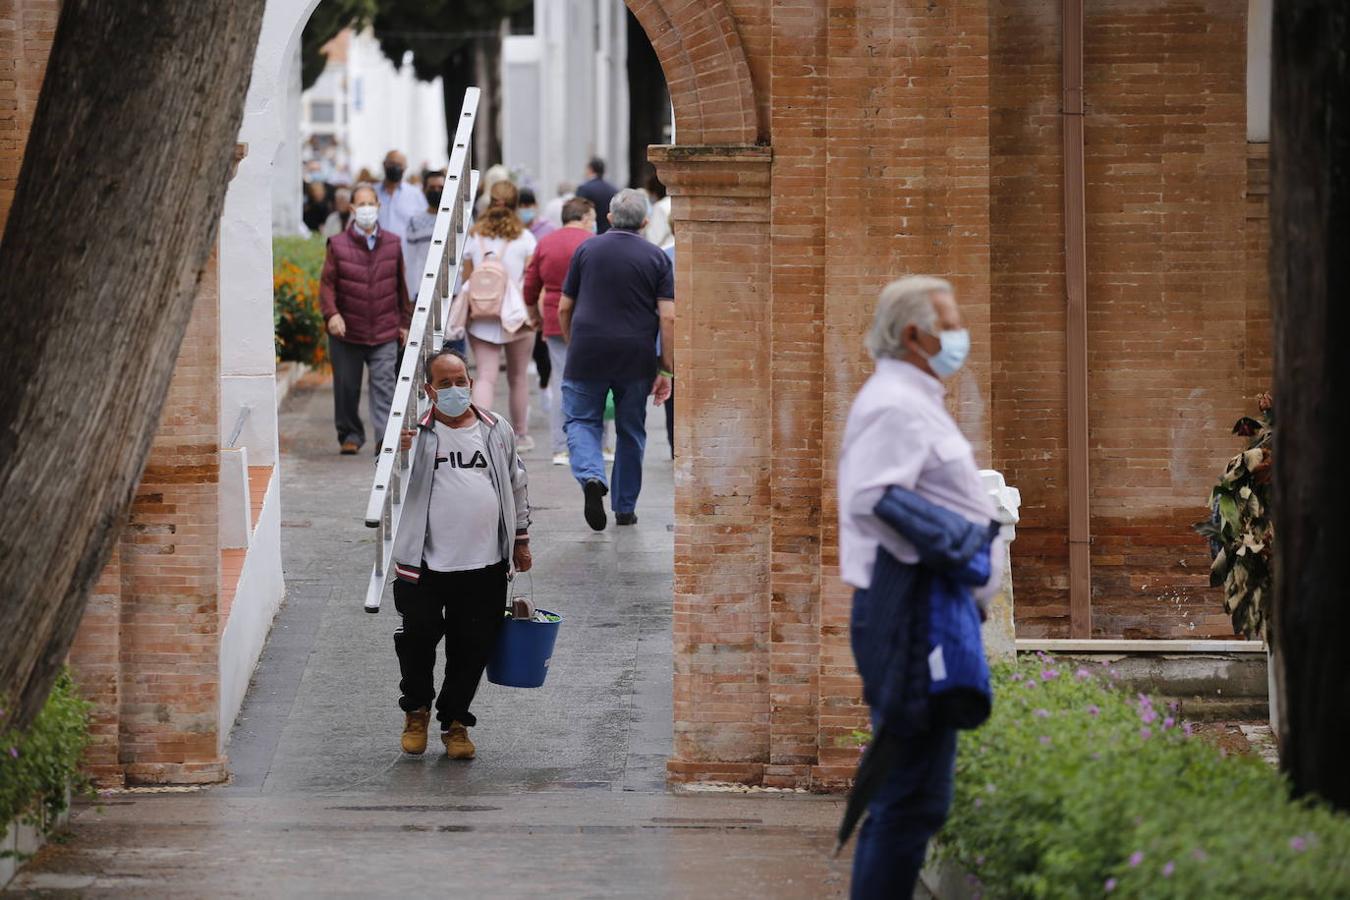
(906,302)
(628,209)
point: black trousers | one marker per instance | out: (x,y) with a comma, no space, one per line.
(467,609)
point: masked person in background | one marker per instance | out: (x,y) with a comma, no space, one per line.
(900,436)
(399,201)
(468,494)
(528,210)
(417,240)
(363,295)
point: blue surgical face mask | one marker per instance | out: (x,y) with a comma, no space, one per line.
(452,401)
(526,216)
(955,347)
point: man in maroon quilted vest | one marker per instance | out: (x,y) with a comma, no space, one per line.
(364,299)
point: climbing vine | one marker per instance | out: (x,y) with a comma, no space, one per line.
(1240,530)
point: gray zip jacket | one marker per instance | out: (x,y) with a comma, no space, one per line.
(508,476)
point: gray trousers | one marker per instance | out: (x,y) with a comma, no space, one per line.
(349,361)
(557,354)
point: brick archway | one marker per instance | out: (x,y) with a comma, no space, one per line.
(718,176)
(706,70)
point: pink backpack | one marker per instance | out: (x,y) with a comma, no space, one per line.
(487,287)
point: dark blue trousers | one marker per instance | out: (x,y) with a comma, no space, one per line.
(905,814)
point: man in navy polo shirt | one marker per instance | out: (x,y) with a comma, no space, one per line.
(618,296)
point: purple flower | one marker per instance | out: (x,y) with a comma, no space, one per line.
(1045,740)
(1017,676)
(1082,673)
(1110,885)
(1136,858)
(1094,710)
(1186,728)
(1298,843)
(1174,705)
(1199,854)
(1168,722)
(1144,701)
(1147,715)
(1146,733)
(1048,674)
(14,752)
(1168,868)
(1042,713)
(979,801)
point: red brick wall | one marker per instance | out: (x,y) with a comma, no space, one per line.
(26,31)
(170,562)
(1169,295)
(1257,361)
(147,651)
(920,137)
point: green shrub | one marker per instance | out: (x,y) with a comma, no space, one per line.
(1074,789)
(38,766)
(297,264)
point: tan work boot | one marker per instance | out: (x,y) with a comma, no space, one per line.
(457,743)
(415,731)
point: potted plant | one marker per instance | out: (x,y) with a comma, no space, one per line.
(1241,535)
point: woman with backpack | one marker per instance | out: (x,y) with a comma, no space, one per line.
(495,256)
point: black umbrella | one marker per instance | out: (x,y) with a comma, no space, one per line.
(877,761)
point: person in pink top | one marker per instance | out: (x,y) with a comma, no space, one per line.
(543,287)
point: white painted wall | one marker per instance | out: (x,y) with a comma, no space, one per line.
(575,105)
(287,198)
(380,108)
(256,601)
(247,355)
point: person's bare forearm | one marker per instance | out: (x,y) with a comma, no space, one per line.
(668,344)
(565,317)
(667,335)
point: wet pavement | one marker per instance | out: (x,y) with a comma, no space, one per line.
(567,796)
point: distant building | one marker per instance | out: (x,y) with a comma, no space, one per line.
(361,107)
(579,79)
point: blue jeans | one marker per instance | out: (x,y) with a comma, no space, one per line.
(584,408)
(904,815)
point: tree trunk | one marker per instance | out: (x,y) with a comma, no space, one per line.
(488,123)
(117,208)
(1310,283)
(457,73)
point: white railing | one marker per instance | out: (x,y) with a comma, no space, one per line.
(425,335)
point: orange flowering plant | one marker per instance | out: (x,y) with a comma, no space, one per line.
(299,326)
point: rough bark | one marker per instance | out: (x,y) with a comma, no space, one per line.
(1310,283)
(117,207)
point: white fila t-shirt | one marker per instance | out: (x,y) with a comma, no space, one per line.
(464,516)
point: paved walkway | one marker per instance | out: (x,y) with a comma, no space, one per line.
(567,797)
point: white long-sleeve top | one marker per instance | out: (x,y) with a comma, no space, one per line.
(900,433)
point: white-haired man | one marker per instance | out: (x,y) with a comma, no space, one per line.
(617,298)
(899,434)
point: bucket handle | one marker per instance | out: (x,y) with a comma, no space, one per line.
(510,593)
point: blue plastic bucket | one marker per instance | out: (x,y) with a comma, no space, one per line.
(523,651)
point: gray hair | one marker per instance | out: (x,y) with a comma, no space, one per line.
(628,209)
(903,303)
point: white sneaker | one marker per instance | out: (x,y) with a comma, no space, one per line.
(524,443)
(608,455)
(561,459)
